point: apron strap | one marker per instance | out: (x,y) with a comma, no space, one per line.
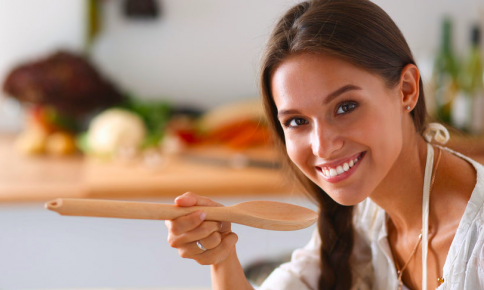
(441,135)
(425,213)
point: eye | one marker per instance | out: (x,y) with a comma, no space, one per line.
(346,107)
(295,122)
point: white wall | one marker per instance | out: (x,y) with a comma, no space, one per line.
(201,53)
(420,21)
(30,29)
(206,52)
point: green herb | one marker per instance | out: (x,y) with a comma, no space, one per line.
(155,115)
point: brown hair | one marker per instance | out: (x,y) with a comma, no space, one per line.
(357,31)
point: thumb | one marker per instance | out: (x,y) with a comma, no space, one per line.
(191,199)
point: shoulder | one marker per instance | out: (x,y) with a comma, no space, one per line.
(461,181)
(471,164)
(465,267)
(467,249)
(472,221)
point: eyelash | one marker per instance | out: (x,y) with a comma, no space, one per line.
(347,103)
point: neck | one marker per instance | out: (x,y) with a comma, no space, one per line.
(400,194)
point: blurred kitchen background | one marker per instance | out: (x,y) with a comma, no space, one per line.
(146,99)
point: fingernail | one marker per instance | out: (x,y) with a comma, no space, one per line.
(177,199)
(203,215)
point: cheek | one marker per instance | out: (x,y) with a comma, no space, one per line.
(296,150)
(384,133)
(292,150)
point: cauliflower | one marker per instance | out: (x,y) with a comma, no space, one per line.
(115,130)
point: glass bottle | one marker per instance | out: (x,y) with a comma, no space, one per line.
(445,74)
(472,83)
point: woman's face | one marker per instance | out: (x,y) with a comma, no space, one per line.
(342,125)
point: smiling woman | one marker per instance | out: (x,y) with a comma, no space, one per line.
(345,100)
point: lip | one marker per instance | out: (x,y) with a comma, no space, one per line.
(339,161)
(344,175)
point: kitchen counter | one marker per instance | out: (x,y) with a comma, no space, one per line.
(41,178)
(36,178)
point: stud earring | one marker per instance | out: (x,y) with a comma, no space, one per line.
(408,108)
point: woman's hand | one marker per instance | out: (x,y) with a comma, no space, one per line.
(184,232)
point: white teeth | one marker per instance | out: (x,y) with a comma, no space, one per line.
(346,167)
(339,169)
(332,172)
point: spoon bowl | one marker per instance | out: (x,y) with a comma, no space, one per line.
(272,215)
(268,215)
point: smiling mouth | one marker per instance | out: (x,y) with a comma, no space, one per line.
(341,171)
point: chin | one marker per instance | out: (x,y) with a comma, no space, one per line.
(346,198)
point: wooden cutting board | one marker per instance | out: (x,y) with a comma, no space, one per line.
(33,178)
(207,171)
(42,178)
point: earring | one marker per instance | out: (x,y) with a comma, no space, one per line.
(408,107)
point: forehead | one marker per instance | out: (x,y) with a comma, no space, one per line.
(308,76)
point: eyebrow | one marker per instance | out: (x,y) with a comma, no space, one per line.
(339,92)
(327,100)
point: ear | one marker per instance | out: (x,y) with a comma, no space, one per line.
(409,86)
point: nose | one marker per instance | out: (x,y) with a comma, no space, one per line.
(325,141)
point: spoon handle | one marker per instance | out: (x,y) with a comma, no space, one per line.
(127,209)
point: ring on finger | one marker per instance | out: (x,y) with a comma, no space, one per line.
(200,246)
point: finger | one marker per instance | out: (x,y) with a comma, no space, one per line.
(199,233)
(193,249)
(225,228)
(210,242)
(191,199)
(219,253)
(186,223)
(186,199)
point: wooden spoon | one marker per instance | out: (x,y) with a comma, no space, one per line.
(269,215)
